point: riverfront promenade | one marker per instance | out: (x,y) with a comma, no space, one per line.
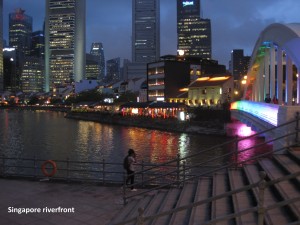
(57,203)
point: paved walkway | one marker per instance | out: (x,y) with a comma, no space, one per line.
(57,203)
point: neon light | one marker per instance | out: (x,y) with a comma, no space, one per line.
(187,3)
(264,111)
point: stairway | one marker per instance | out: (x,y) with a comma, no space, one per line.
(207,187)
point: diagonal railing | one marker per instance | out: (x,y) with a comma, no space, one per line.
(181,173)
(261,209)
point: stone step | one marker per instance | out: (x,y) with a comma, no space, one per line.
(168,204)
(242,200)
(153,207)
(286,189)
(123,214)
(186,197)
(201,214)
(288,164)
(222,206)
(273,216)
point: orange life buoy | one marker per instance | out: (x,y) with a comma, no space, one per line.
(44,170)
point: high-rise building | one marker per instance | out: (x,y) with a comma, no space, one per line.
(38,44)
(239,64)
(193,32)
(20,30)
(64,42)
(113,70)
(1,46)
(32,78)
(92,68)
(145,31)
(98,51)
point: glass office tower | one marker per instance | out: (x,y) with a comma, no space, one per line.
(20,30)
(193,32)
(64,42)
(145,31)
(98,51)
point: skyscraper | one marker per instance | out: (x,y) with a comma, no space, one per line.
(145,31)
(193,32)
(20,30)
(64,42)
(1,45)
(97,50)
(113,70)
(239,64)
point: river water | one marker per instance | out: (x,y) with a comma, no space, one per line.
(48,135)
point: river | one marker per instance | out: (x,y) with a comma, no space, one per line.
(48,135)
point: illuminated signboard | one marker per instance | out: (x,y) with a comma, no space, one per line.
(187,3)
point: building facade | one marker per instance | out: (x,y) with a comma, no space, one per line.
(64,42)
(145,31)
(113,70)
(20,31)
(38,44)
(1,46)
(92,68)
(239,63)
(193,32)
(32,78)
(98,51)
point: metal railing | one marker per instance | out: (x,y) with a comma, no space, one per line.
(182,171)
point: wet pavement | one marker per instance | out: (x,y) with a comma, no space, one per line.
(26,202)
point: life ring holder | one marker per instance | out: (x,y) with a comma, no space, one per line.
(54,168)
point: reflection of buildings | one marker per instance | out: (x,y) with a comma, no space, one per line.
(1,45)
(65,42)
(193,32)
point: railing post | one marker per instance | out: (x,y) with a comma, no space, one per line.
(140,219)
(261,187)
(143,185)
(35,167)
(297,127)
(184,169)
(124,188)
(68,169)
(236,151)
(178,169)
(103,178)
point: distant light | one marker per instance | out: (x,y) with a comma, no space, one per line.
(160,99)
(182,116)
(11,59)
(180,52)
(244,81)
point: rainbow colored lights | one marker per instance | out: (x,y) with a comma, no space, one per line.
(264,111)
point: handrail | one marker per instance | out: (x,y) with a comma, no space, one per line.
(223,195)
(232,153)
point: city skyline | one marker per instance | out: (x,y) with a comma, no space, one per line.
(235,24)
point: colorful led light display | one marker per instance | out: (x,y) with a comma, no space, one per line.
(264,111)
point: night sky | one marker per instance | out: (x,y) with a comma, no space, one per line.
(236,24)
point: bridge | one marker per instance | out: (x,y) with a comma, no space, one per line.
(274,70)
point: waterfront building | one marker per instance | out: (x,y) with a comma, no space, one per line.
(113,70)
(20,31)
(92,67)
(1,45)
(85,85)
(32,77)
(64,42)
(166,77)
(212,90)
(98,51)
(193,32)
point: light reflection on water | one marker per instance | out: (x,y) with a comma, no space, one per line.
(48,135)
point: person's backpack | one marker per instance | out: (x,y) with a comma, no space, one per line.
(126,163)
